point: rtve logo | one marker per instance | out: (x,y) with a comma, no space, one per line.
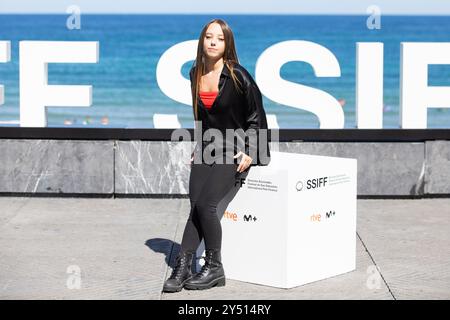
(230,215)
(234,217)
(318,217)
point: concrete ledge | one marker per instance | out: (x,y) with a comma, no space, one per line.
(437,173)
(56,166)
(137,167)
(384,168)
(157,167)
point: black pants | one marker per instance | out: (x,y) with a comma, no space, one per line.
(208,185)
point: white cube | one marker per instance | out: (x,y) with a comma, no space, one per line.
(292,222)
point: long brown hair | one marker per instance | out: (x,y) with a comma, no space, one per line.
(229,59)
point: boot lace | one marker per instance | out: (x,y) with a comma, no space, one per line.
(209,262)
(181,263)
(205,266)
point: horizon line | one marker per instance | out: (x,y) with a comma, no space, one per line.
(226,13)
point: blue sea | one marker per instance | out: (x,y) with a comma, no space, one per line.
(124,81)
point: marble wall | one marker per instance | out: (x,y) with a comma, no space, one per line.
(157,167)
(437,168)
(56,166)
(162,167)
(384,168)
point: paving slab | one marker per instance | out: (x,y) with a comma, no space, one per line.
(78,248)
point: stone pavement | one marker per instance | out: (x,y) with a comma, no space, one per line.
(80,248)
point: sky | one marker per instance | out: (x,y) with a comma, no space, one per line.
(404,7)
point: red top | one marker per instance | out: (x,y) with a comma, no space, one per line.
(208,98)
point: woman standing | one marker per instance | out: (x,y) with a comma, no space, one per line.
(224,96)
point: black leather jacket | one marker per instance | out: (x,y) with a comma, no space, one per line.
(236,110)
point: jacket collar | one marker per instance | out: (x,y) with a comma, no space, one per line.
(225,71)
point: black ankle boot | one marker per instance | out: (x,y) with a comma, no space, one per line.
(180,273)
(211,274)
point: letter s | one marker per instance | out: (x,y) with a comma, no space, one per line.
(5,56)
(168,71)
(324,63)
